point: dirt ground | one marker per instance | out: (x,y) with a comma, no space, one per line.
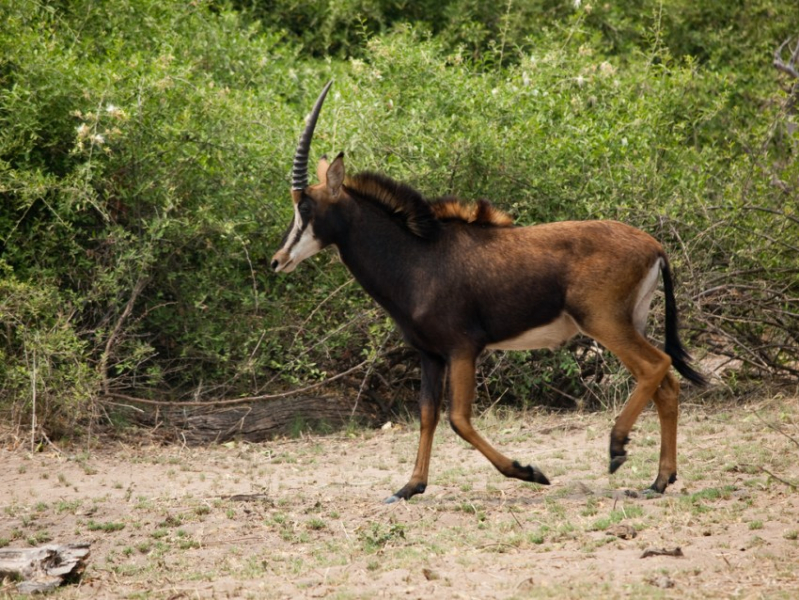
(303,518)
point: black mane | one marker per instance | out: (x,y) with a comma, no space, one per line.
(419,216)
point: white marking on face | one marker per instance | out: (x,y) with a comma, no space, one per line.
(552,335)
(306,247)
(644,299)
(300,244)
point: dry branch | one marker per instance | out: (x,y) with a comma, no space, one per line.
(677,552)
(43,569)
(792,66)
(232,401)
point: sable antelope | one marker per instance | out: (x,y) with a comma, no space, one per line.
(459,278)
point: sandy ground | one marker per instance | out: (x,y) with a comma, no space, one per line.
(304,518)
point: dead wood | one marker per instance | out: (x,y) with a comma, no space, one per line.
(40,570)
(663,552)
(260,421)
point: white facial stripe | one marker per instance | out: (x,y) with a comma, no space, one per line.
(300,243)
(292,237)
(306,247)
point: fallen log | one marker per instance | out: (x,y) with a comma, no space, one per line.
(40,570)
(262,421)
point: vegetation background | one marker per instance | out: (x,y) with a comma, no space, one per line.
(145,150)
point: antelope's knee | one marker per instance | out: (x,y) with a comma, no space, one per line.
(459,424)
(669,387)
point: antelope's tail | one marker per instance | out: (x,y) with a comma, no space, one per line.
(673,347)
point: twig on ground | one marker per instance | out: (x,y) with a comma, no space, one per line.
(793,486)
(775,428)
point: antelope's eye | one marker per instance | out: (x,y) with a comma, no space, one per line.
(305,209)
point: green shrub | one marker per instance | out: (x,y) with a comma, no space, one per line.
(145,150)
(43,361)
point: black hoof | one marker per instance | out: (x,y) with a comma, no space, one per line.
(406,493)
(618,455)
(616,462)
(659,488)
(530,473)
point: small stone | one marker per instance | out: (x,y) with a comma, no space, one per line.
(622,531)
(662,581)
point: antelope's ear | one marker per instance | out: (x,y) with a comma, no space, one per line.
(334,177)
(321,169)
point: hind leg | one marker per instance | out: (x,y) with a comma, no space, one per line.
(649,366)
(649,373)
(667,403)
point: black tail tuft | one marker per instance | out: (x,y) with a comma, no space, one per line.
(673,347)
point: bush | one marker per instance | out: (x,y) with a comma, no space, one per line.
(144,168)
(136,152)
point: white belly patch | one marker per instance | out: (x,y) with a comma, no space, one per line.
(550,335)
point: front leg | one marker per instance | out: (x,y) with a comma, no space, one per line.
(433,369)
(462,380)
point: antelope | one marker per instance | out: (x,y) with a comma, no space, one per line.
(458,278)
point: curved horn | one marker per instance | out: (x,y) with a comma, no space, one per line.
(300,171)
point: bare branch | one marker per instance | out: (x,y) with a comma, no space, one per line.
(775,428)
(793,486)
(791,67)
(228,402)
(137,289)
